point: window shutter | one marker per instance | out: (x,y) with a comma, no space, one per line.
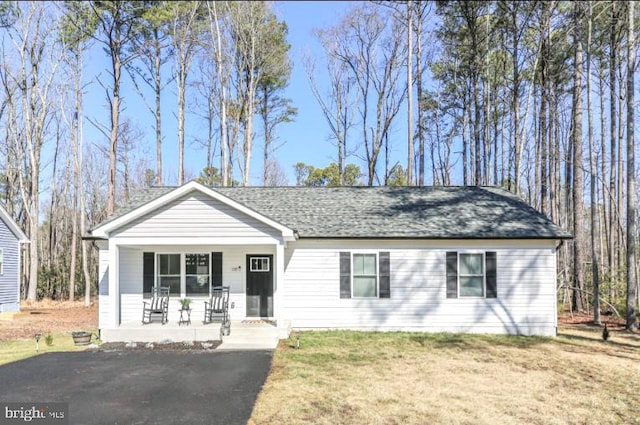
(216,269)
(385,275)
(492,288)
(345,275)
(148,271)
(452,274)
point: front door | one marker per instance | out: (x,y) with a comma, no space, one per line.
(259,285)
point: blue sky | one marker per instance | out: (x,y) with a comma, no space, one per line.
(306,139)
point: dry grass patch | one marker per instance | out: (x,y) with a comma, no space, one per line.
(340,377)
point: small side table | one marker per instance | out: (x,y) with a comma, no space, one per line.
(185,316)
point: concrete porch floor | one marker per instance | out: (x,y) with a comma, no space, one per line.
(245,334)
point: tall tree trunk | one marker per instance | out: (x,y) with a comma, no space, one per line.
(576,141)
(83,220)
(595,273)
(515,105)
(419,92)
(632,288)
(116,67)
(157,63)
(182,82)
(544,132)
(603,173)
(76,178)
(264,113)
(465,143)
(216,35)
(410,152)
(612,171)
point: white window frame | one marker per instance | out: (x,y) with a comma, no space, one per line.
(484,274)
(183,272)
(377,276)
(156,278)
(1,261)
(183,281)
(261,260)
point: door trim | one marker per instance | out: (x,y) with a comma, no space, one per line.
(260,265)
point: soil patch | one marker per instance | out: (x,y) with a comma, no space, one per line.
(49,316)
(613,322)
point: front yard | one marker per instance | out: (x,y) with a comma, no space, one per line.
(398,378)
(339,377)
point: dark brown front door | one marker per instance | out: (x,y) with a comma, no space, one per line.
(259,285)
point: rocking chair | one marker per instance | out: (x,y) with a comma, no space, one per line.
(218,306)
(158,306)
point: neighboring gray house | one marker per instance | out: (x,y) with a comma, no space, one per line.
(458,259)
(10,266)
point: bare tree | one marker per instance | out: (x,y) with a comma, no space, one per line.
(115,28)
(184,34)
(275,175)
(595,272)
(151,46)
(217,47)
(373,52)
(632,287)
(30,78)
(576,142)
(338,105)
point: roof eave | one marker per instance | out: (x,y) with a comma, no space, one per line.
(13,226)
(103,231)
(438,238)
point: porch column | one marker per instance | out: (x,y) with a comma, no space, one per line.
(114,283)
(278,290)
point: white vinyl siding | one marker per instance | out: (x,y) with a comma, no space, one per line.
(196,215)
(104,307)
(130,285)
(525,302)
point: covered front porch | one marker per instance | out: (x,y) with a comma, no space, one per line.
(189,239)
(251,272)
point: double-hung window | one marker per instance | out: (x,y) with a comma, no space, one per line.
(186,274)
(197,274)
(471,274)
(169,272)
(365,275)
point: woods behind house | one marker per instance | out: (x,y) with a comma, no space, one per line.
(534,96)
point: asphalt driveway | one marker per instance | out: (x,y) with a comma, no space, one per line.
(146,387)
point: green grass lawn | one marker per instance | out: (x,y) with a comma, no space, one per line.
(339,377)
(11,351)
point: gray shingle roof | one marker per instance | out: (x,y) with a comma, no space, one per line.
(388,212)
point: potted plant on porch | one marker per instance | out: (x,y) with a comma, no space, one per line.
(185,302)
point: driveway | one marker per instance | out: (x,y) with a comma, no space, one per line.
(146,387)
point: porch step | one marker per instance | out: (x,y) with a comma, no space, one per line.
(157,332)
(251,336)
